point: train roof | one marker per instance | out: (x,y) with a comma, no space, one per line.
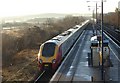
(64,36)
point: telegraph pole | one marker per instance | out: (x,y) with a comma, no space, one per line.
(93,23)
(118,14)
(96,18)
(102,69)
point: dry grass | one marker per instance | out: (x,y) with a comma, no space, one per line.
(21,61)
(20,48)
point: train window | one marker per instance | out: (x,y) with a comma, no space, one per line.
(75,27)
(48,49)
(66,33)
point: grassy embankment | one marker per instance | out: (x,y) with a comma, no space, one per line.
(20,46)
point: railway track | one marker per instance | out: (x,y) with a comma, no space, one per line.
(114,35)
(75,71)
(44,76)
(66,64)
(39,76)
(111,33)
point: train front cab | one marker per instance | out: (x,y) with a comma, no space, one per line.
(49,56)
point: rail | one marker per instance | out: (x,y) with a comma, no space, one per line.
(39,77)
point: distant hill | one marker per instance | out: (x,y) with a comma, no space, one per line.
(40,20)
(50,15)
(44,15)
(27,17)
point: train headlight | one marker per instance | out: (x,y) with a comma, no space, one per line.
(53,61)
(40,61)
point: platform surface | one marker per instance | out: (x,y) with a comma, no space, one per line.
(78,68)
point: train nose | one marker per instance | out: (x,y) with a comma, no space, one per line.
(47,66)
(53,61)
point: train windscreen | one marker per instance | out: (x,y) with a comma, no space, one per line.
(48,49)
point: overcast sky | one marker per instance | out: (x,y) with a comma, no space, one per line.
(28,7)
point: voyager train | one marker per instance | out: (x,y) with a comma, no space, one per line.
(54,50)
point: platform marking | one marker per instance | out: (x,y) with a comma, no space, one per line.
(70,72)
(84,77)
(84,63)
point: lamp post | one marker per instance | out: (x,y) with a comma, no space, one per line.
(92,18)
(93,23)
(118,14)
(96,18)
(118,19)
(96,13)
(102,67)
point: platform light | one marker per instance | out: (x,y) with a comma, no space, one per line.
(96,6)
(102,70)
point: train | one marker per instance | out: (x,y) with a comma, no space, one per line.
(53,51)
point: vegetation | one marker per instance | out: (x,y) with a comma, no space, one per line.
(113,18)
(14,41)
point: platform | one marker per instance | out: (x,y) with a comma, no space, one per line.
(76,68)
